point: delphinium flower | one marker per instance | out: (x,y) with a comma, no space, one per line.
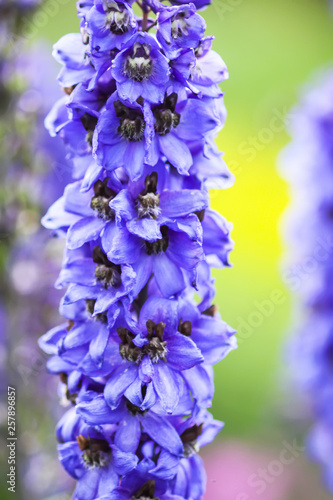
(139,115)
(308,166)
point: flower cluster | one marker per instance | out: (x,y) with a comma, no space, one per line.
(308,166)
(140,112)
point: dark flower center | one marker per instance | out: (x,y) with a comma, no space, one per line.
(198,51)
(155,349)
(210,311)
(84,36)
(70,325)
(200,214)
(96,451)
(68,90)
(70,397)
(89,122)
(138,65)
(132,124)
(90,305)
(158,246)
(117,18)
(179,25)
(134,410)
(100,201)
(189,439)
(106,273)
(148,201)
(203,47)
(165,116)
(185,327)
(146,492)
(127,349)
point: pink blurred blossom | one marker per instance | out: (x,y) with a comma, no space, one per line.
(235,472)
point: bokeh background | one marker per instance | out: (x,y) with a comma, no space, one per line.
(271,50)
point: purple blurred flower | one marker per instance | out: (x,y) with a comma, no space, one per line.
(307,164)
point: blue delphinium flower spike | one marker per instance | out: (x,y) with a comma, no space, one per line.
(139,116)
(307,163)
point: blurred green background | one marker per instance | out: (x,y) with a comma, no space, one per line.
(271,49)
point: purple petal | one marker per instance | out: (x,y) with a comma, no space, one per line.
(177,152)
(168,275)
(56,217)
(167,465)
(125,247)
(118,382)
(143,269)
(116,494)
(128,434)
(86,487)
(98,412)
(184,252)
(147,229)
(98,345)
(218,344)
(162,432)
(167,386)
(182,354)
(158,309)
(123,206)
(80,334)
(123,462)
(133,482)
(133,159)
(182,203)
(134,393)
(200,380)
(84,230)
